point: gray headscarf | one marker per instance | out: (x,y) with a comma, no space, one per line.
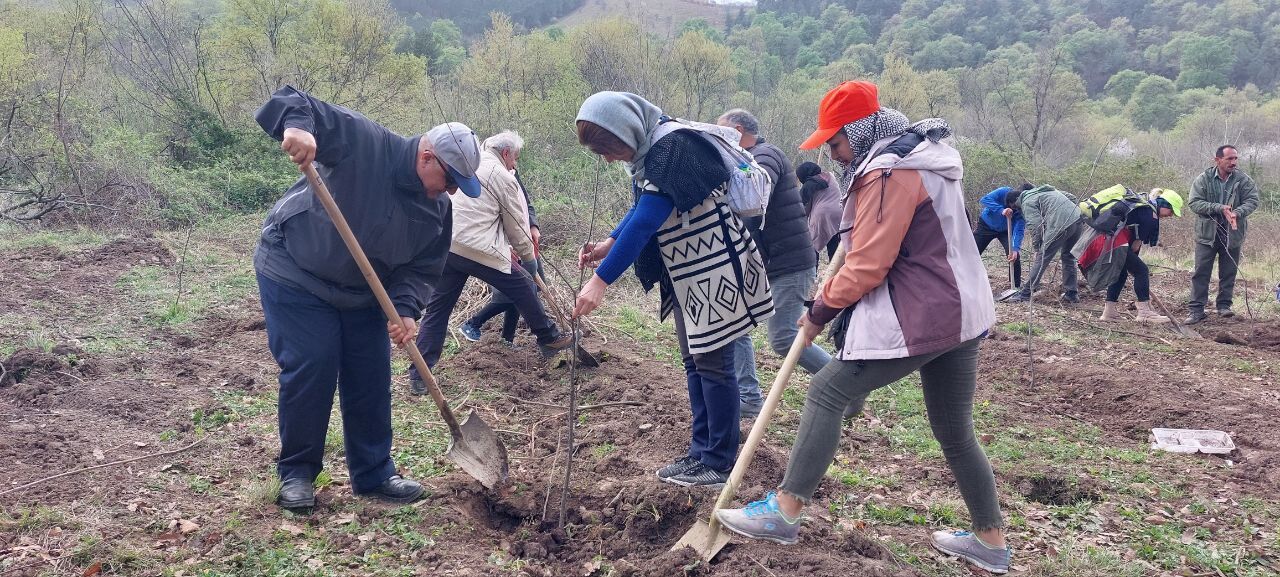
(886,122)
(629,117)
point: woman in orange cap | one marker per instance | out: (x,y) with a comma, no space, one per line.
(914,296)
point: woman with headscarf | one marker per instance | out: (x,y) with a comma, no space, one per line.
(822,205)
(916,297)
(682,236)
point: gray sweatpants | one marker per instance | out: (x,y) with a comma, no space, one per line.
(948,378)
(1060,247)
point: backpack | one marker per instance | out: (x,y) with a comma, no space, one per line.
(1107,209)
(749,184)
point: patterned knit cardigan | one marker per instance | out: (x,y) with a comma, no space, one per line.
(714,273)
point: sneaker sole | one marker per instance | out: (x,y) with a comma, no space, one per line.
(770,538)
(678,483)
(977,562)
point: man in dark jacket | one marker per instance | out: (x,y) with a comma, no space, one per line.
(324,326)
(789,260)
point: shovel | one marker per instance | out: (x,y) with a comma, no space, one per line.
(474,446)
(1013,290)
(587,359)
(705,537)
(1179,328)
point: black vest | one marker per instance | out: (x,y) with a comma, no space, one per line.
(784,241)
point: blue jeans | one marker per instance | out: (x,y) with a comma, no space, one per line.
(713,400)
(319,349)
(789,293)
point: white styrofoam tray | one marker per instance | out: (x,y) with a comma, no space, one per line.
(1192,440)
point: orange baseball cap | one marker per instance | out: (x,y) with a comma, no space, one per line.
(851,100)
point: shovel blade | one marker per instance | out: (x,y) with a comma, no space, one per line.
(479,453)
(704,540)
(1004,296)
(587,359)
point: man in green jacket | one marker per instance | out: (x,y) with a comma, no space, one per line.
(1223,197)
(1054,221)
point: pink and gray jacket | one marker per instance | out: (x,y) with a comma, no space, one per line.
(912,271)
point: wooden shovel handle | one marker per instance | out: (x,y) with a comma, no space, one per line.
(353,245)
(757,432)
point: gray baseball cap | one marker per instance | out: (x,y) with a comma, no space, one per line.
(455,144)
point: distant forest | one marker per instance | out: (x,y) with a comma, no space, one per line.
(472,16)
(128,110)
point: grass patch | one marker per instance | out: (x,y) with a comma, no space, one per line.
(14,238)
(1020,328)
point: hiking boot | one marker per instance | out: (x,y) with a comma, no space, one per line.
(297,494)
(966,545)
(417,387)
(1226,313)
(551,349)
(1110,311)
(396,489)
(509,344)
(761,520)
(852,411)
(679,467)
(472,333)
(749,410)
(1195,318)
(699,476)
(1070,298)
(1148,314)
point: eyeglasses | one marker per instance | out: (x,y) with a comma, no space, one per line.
(449,183)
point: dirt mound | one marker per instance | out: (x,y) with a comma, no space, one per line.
(130,251)
(24,363)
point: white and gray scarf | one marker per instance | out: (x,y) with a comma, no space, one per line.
(884,123)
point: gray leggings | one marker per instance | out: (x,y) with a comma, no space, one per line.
(948,378)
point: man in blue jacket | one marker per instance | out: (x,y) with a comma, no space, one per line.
(324,326)
(992,225)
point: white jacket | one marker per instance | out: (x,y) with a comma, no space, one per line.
(486,228)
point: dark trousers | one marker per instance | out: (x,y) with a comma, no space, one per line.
(501,304)
(1228,264)
(983,236)
(457,269)
(319,349)
(1133,265)
(713,399)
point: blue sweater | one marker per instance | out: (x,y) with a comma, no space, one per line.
(633,233)
(993,217)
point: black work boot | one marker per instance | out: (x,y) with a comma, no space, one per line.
(396,489)
(297,494)
(1197,316)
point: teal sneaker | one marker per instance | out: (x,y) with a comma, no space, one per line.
(966,545)
(761,520)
